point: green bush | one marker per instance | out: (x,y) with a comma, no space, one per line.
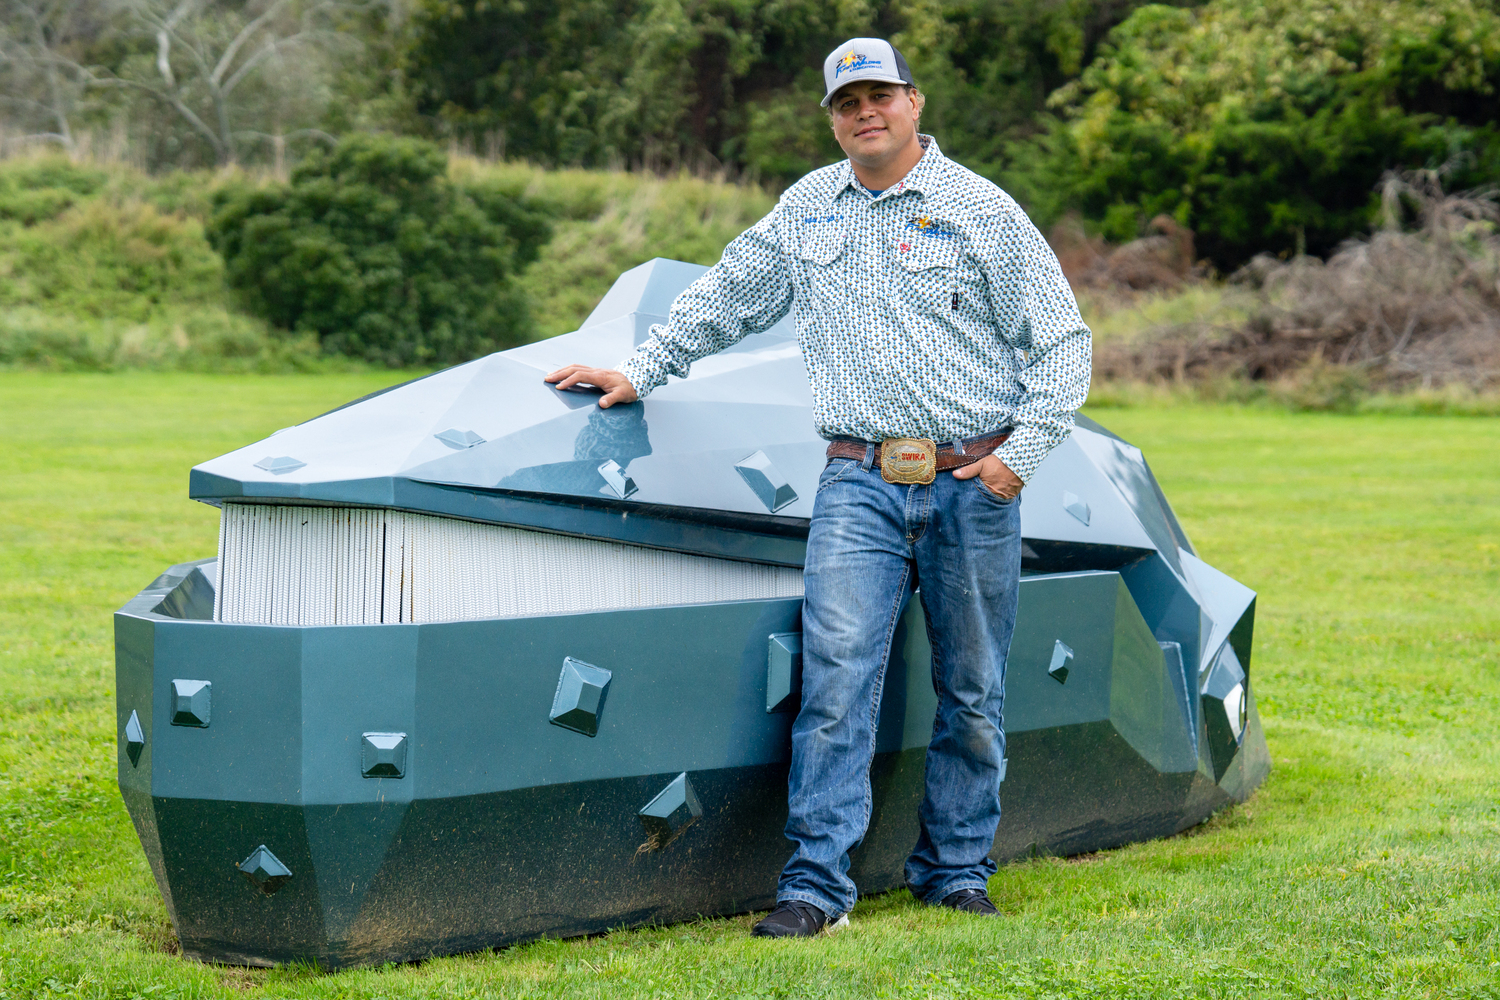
(208,338)
(101,260)
(1266,124)
(608,222)
(374,250)
(35,190)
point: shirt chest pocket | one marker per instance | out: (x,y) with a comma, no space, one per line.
(822,244)
(935,273)
(820,253)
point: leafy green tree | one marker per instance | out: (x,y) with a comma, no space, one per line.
(372,248)
(988,66)
(1266,124)
(731,82)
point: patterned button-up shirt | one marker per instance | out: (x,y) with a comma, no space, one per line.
(934,309)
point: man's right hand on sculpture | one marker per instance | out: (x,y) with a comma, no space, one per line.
(617,388)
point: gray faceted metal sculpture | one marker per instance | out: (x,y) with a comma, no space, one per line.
(478,661)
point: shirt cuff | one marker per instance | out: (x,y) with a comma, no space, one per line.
(643,375)
(1023,451)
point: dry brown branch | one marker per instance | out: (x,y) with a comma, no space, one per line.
(1403,307)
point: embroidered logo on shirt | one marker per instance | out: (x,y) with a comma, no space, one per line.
(924,225)
(819,219)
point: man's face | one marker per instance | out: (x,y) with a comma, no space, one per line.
(873,121)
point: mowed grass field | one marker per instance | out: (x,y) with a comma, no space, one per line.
(1368,865)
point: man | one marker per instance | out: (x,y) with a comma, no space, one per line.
(928,309)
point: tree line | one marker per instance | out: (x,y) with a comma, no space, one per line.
(1263,125)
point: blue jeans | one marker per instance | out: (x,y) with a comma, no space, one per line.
(872,543)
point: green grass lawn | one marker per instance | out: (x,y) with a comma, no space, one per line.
(1367,865)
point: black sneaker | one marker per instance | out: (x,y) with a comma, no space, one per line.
(970,901)
(794,919)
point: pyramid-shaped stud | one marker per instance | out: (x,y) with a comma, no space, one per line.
(1075,505)
(579,702)
(458,439)
(616,483)
(135,739)
(191,703)
(1058,669)
(784,672)
(264,870)
(766,481)
(674,809)
(279,466)
(382,755)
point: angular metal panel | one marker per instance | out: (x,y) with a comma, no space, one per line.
(762,476)
(784,672)
(382,755)
(192,703)
(264,870)
(578,703)
(135,739)
(672,811)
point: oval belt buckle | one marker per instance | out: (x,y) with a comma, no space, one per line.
(908,460)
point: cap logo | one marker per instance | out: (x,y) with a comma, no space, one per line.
(852,62)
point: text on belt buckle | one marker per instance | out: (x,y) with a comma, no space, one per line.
(908,460)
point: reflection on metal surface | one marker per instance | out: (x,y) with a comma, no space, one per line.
(579,702)
(1058,668)
(135,739)
(1225,709)
(767,482)
(383,755)
(191,703)
(784,672)
(264,870)
(1075,506)
(665,817)
(281,465)
(1180,674)
(616,482)
(1234,709)
(459,439)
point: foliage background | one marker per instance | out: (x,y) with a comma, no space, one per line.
(1263,126)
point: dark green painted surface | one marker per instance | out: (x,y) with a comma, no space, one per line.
(506,827)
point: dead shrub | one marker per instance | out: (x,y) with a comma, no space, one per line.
(1161,260)
(1405,307)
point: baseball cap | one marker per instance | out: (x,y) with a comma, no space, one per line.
(864,59)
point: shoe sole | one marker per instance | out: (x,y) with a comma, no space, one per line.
(830,928)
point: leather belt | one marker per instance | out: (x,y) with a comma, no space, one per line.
(918,460)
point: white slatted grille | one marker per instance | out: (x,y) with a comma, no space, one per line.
(282,565)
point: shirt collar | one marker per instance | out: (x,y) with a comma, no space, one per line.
(920,178)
